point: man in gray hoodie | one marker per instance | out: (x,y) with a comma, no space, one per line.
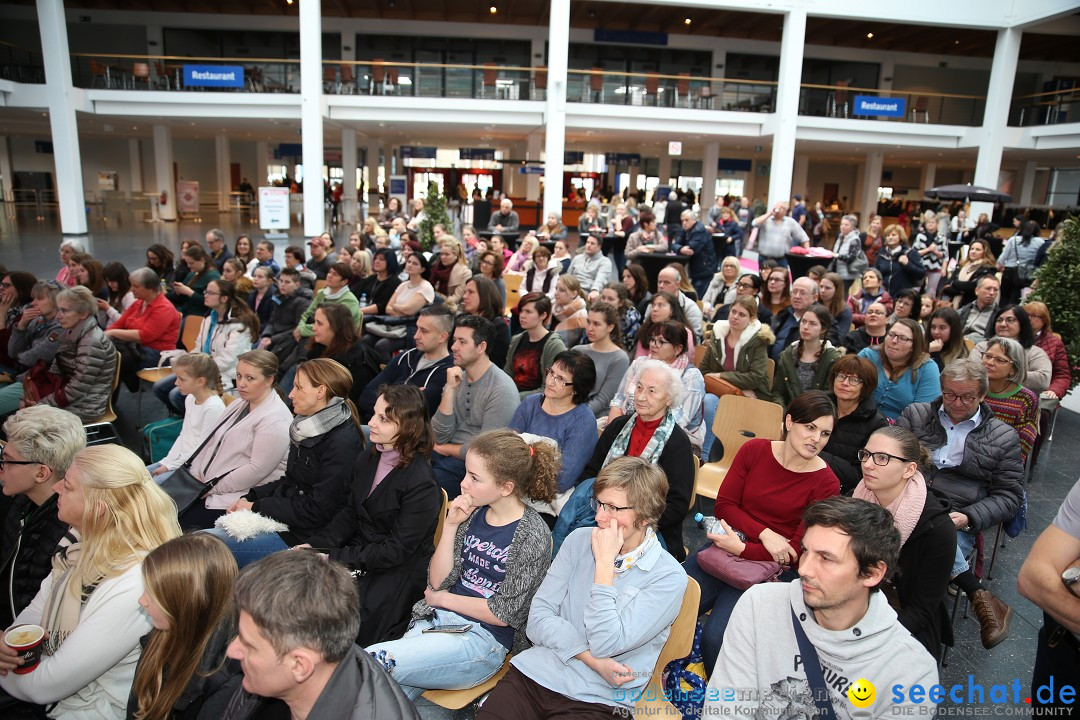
(850,547)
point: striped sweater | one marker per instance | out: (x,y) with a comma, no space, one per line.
(1019,409)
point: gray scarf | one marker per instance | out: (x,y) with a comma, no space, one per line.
(322,422)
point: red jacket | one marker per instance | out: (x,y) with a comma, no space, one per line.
(1061,377)
(158,323)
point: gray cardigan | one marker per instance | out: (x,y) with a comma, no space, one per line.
(526,566)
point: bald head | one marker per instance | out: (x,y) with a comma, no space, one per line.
(804,293)
(668,281)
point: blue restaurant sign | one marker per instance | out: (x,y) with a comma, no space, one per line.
(868,105)
(214,76)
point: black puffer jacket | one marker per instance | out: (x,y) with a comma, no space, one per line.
(315,484)
(849,436)
(986,485)
(30,537)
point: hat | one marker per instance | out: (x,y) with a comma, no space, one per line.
(321,241)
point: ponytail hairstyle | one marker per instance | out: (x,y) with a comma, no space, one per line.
(238,308)
(337,380)
(910,448)
(531,467)
(190,578)
(202,366)
(611,317)
(572,285)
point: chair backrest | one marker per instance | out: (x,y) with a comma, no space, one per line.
(770,369)
(699,354)
(319,285)
(329,73)
(841,90)
(346,73)
(513,290)
(442,516)
(739,419)
(652,83)
(541,78)
(228,399)
(490,73)
(378,70)
(141,70)
(683,83)
(596,82)
(922,103)
(190,333)
(679,643)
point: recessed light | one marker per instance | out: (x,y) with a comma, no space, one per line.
(869,35)
(493,9)
(686,21)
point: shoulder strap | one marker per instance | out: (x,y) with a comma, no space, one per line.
(813,672)
(203,444)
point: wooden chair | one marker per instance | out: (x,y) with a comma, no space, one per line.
(189,334)
(679,643)
(378,77)
(95,428)
(738,419)
(652,87)
(348,80)
(488,80)
(140,71)
(513,290)
(596,85)
(457,699)
(442,515)
(921,106)
(682,88)
(699,354)
(770,370)
(540,78)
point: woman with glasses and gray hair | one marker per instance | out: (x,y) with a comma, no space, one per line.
(1012,321)
(1012,403)
(35,337)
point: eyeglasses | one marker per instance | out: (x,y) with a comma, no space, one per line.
(597,506)
(1006,321)
(744,285)
(880,458)
(558,380)
(874,312)
(997,359)
(963,399)
(846,379)
(902,339)
(208,293)
(658,341)
(5,460)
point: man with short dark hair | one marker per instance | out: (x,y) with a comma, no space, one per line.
(977,313)
(591,267)
(264,257)
(424,366)
(792,648)
(694,240)
(320,262)
(478,396)
(299,616)
(219,250)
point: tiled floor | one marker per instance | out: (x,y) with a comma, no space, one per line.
(26,243)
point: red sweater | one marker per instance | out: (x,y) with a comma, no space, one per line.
(158,323)
(759,493)
(1061,377)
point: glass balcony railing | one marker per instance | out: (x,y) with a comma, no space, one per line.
(673,91)
(1046,108)
(166,72)
(21,65)
(839,101)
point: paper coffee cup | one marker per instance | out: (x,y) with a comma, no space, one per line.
(27,641)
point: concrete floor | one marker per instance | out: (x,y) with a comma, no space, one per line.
(27,243)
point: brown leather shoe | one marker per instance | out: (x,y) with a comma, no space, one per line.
(994,617)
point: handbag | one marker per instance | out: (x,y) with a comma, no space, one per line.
(716,385)
(738,572)
(388,326)
(184,488)
(45,383)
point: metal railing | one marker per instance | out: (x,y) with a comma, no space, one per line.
(921,107)
(662,90)
(166,72)
(21,65)
(1046,108)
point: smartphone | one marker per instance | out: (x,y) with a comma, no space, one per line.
(456,629)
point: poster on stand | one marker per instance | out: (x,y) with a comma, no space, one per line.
(187,196)
(274,208)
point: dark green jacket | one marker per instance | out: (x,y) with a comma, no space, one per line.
(751,358)
(786,385)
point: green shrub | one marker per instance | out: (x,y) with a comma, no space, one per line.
(1059,287)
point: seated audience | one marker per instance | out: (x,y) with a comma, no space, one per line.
(560,256)
(264,257)
(1012,403)
(69,247)
(34,337)
(552,230)
(906,374)
(335,291)
(672,279)
(321,261)
(591,268)
(148,327)
(187,296)
(761,503)
(570,309)
(261,298)
(663,307)
(959,288)
(947,342)
(120,298)
(219,250)
(161,260)
(1060,376)
(748,285)
(294,260)
(450,273)
(605,348)
(906,304)
(978,313)
(976,471)
(478,396)
(234,271)
(831,295)
(787,324)
(872,333)
(871,292)
(1012,322)
(481,299)
(298,619)
(89,604)
(41,443)
(520,259)
(491,557)
(199,379)
(852,381)
(637,286)
(805,364)
(490,266)
(289,304)
(183,671)
(777,293)
(534,350)
(377,289)
(541,274)
(722,288)
(603,611)
(616,295)
(647,238)
(409,298)
(900,265)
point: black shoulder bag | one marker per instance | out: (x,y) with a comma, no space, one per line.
(813,672)
(184,488)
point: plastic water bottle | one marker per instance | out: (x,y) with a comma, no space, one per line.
(709,524)
(363,300)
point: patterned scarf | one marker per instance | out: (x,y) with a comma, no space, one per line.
(62,608)
(322,422)
(906,509)
(623,563)
(653,448)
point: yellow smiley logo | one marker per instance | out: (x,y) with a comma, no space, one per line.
(862,693)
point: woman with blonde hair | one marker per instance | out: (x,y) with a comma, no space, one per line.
(88,606)
(183,673)
(570,309)
(449,273)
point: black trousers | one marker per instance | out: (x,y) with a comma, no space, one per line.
(1057,663)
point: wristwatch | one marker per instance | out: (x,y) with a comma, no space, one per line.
(1071,577)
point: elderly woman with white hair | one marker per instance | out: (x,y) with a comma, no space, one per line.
(651,432)
(69,248)
(849,260)
(89,605)
(149,327)
(1012,403)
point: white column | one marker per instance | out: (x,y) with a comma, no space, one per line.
(62,122)
(1027,182)
(929,176)
(555,109)
(135,159)
(262,159)
(513,179)
(348,166)
(871,181)
(532,182)
(887,70)
(787,105)
(996,117)
(163,170)
(371,160)
(709,171)
(6,176)
(799,175)
(311,115)
(155,41)
(224,176)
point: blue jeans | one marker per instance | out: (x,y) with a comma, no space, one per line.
(712,403)
(449,472)
(252,549)
(965,542)
(440,661)
(166,391)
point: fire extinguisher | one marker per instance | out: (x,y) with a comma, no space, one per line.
(164,197)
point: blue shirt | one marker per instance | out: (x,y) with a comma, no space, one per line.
(574,432)
(893,396)
(483,567)
(951,454)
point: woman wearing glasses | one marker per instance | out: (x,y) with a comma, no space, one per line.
(853,380)
(891,478)
(36,336)
(872,333)
(906,374)
(1012,322)
(1012,403)
(872,292)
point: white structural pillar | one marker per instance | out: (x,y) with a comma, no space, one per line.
(709,171)
(787,105)
(929,176)
(533,148)
(799,176)
(371,161)
(163,171)
(5,169)
(60,99)
(311,115)
(555,110)
(871,181)
(1027,182)
(996,116)
(348,167)
(262,159)
(135,160)
(224,173)
(665,167)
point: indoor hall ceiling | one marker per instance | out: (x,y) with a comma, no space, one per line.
(658,17)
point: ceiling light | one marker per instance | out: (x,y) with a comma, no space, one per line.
(288,2)
(869,35)
(493,9)
(686,21)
